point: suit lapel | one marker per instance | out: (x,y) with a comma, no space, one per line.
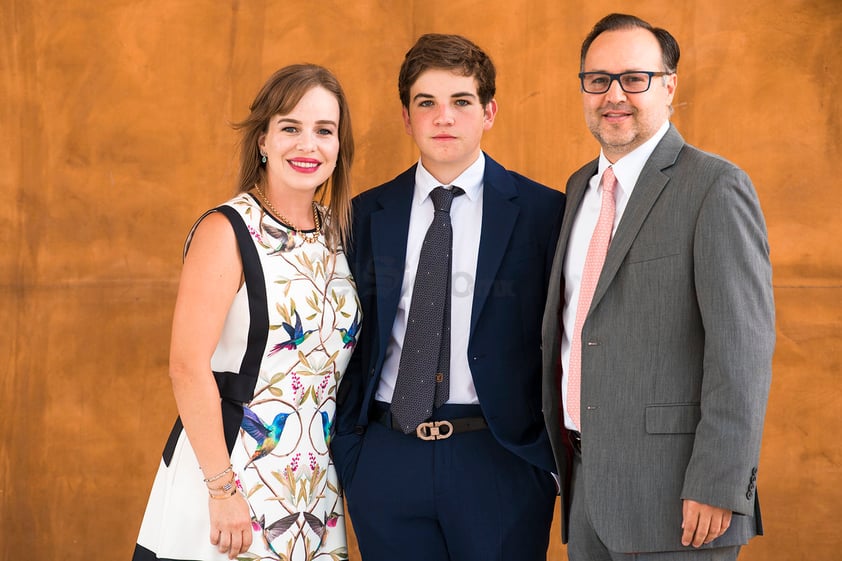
(389,231)
(575,193)
(499,215)
(648,188)
(576,188)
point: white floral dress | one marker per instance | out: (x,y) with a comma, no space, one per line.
(286,341)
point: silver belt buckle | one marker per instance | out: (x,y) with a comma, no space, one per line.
(434,430)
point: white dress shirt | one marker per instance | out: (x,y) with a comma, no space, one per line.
(627,170)
(466,217)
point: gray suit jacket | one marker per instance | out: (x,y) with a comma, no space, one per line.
(677,351)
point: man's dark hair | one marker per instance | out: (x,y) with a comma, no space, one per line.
(613,22)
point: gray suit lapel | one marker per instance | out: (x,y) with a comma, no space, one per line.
(576,188)
(575,192)
(648,188)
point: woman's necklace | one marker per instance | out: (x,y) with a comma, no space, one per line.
(309,238)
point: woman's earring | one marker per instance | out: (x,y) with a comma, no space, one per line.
(263,158)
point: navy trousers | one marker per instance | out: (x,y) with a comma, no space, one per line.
(464,498)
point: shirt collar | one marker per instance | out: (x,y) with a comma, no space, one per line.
(469,180)
(627,169)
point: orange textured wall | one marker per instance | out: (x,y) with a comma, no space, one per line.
(114,137)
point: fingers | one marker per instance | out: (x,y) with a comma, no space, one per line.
(703,523)
(236,545)
(231,529)
(224,542)
(702,527)
(726,521)
(240,543)
(247,539)
(232,543)
(720,522)
(691,520)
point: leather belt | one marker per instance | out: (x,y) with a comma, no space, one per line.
(435,430)
(575,439)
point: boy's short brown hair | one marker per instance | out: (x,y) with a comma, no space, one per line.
(448,52)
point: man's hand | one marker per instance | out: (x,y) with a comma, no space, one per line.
(703,523)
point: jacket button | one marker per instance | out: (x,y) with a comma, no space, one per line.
(359,430)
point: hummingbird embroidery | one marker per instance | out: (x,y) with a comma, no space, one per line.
(297,335)
(266,436)
(320,528)
(326,427)
(285,241)
(332,519)
(349,336)
(274,530)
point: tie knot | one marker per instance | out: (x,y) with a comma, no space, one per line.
(609,181)
(443,198)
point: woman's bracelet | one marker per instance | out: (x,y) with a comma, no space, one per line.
(226,491)
(219,475)
(222,496)
(227,486)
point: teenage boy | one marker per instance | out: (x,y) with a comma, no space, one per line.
(462,472)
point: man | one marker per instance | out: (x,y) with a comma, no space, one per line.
(664,341)
(468,478)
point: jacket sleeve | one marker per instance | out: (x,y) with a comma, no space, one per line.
(349,395)
(733,279)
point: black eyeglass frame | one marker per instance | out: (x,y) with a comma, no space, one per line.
(613,77)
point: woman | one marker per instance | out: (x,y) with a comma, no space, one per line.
(265,321)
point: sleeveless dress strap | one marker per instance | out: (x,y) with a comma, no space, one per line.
(236,388)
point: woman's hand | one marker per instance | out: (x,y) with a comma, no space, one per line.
(230,523)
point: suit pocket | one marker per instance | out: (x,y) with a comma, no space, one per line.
(673,418)
(643,252)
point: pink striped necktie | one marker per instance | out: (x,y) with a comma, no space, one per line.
(597,250)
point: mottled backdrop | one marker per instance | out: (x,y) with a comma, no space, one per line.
(115,136)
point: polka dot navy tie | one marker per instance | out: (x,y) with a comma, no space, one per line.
(424,369)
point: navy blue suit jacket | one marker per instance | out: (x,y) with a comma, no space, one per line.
(520,226)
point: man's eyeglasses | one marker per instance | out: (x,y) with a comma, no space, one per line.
(631,82)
